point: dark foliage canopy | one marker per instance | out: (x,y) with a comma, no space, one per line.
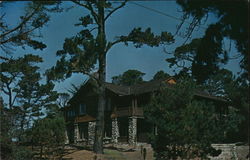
(187,126)
(206,54)
(130,77)
(160,75)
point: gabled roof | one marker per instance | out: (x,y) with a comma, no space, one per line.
(145,87)
(84,88)
(120,90)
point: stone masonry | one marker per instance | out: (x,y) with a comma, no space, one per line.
(66,137)
(91,132)
(76,133)
(132,130)
(115,130)
(231,151)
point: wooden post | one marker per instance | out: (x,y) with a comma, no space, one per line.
(76,132)
(135,105)
(132,106)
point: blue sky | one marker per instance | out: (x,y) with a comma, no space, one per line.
(120,58)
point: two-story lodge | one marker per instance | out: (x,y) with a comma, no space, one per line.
(124,120)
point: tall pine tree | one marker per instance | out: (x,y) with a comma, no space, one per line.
(85,51)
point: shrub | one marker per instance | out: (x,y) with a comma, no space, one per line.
(49,135)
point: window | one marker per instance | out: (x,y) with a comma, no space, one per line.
(71,113)
(83,130)
(82,109)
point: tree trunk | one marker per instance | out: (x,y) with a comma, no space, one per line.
(101,40)
(98,145)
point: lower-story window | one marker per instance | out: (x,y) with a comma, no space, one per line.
(123,126)
(83,130)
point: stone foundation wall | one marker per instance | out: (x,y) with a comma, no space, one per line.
(76,133)
(91,132)
(115,130)
(231,151)
(242,152)
(132,130)
(66,137)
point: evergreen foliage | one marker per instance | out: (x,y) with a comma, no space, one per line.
(49,135)
(23,33)
(28,100)
(86,51)
(236,91)
(186,126)
(160,75)
(208,53)
(130,77)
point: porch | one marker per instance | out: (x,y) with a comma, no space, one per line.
(131,130)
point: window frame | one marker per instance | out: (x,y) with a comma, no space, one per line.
(81,110)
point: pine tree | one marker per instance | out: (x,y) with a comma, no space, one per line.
(27,99)
(85,51)
(206,54)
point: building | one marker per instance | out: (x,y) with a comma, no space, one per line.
(124,119)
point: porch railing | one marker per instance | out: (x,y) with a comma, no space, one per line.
(128,111)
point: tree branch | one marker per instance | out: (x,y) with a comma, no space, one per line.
(4,91)
(24,33)
(93,13)
(21,24)
(87,73)
(35,101)
(93,29)
(4,58)
(110,44)
(80,4)
(88,7)
(14,99)
(111,12)
(10,95)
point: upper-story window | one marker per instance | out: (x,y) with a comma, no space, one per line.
(82,109)
(71,113)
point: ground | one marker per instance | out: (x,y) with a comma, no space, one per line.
(73,153)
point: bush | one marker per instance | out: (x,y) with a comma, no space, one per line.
(22,153)
(49,135)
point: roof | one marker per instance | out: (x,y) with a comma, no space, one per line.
(121,90)
(151,86)
(146,87)
(84,87)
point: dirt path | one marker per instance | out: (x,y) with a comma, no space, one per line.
(109,154)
